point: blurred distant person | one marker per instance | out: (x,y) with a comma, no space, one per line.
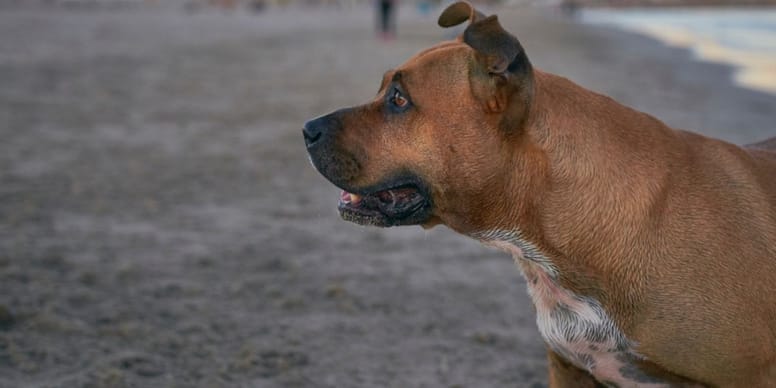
(227,4)
(386,10)
(570,8)
(424,8)
(258,5)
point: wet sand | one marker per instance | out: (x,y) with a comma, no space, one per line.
(161,226)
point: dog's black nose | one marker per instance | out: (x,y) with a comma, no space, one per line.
(323,130)
(317,130)
(312,133)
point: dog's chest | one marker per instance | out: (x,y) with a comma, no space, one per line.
(577,327)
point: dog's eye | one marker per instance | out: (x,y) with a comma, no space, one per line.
(398,100)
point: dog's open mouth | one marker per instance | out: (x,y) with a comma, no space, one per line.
(402,205)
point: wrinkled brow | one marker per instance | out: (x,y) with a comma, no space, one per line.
(397,76)
(384,81)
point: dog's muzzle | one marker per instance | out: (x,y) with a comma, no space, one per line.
(401,199)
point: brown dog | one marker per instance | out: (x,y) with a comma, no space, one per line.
(650,253)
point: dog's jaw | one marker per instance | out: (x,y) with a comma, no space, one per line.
(393,204)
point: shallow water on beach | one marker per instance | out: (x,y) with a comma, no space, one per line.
(744,38)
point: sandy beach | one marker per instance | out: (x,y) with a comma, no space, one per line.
(161,226)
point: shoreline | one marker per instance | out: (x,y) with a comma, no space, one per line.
(624,4)
(688,28)
(643,72)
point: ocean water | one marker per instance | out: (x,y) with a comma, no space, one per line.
(743,38)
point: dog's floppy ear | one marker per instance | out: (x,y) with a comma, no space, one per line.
(499,50)
(458,13)
(500,55)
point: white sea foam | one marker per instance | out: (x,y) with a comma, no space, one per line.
(744,38)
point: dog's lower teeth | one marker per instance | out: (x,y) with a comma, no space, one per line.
(351,198)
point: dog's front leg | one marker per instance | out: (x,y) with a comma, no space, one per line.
(565,375)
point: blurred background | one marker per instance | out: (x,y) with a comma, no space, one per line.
(161,226)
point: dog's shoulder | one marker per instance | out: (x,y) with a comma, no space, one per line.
(765,153)
(768,145)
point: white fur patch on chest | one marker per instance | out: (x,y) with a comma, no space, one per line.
(575,327)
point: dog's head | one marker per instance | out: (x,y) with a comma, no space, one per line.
(431,146)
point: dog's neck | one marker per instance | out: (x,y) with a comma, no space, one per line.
(583,204)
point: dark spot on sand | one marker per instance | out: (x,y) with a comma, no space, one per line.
(7,320)
(88,278)
(485,338)
(141,365)
(273,362)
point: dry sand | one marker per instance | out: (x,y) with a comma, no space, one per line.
(160,225)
